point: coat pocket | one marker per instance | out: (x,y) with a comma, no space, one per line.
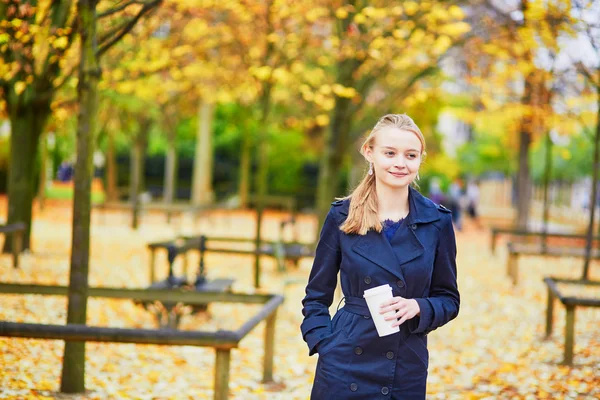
(330,342)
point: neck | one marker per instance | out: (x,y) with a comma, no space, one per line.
(392,202)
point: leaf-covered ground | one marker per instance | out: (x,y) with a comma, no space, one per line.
(494,349)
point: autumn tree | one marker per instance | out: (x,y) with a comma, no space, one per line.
(36,39)
(385,47)
(121,18)
(509,66)
(588,13)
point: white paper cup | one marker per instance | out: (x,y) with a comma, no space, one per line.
(374,298)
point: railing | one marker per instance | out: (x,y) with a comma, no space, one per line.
(222,341)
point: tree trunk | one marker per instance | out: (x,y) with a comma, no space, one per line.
(523,178)
(244,185)
(262,188)
(112,192)
(331,160)
(202,190)
(170,175)
(547,172)
(27,124)
(41,196)
(594,196)
(135,181)
(73,373)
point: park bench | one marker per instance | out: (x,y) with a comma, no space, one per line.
(551,238)
(16,231)
(222,341)
(282,251)
(168,314)
(515,250)
(570,303)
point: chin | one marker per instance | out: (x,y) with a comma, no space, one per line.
(397,183)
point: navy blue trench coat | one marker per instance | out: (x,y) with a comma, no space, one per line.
(419,262)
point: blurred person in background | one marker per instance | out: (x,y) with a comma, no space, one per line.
(435,191)
(384,234)
(472,196)
(455,199)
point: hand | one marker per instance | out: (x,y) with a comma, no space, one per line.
(405,309)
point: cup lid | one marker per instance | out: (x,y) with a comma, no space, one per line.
(377,290)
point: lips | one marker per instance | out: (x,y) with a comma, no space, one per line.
(399,175)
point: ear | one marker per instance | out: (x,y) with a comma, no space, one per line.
(368,154)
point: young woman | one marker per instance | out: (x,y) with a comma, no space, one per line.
(385,232)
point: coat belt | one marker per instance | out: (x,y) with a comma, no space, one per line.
(356,305)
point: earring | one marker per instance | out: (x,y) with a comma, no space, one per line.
(418,177)
(370,169)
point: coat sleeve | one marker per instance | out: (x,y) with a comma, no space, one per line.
(444,299)
(321,285)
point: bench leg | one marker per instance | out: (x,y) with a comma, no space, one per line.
(222,374)
(185,265)
(269,348)
(152,262)
(549,314)
(493,244)
(569,335)
(511,267)
(17,245)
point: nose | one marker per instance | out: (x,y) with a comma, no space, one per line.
(400,162)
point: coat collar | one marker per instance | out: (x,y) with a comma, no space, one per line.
(422,210)
(404,246)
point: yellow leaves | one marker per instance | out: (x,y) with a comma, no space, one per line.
(345,92)
(360,18)
(314,14)
(16,23)
(60,43)
(535,10)
(341,13)
(442,44)
(20,87)
(272,37)
(322,120)
(456,29)
(261,73)
(456,12)
(411,8)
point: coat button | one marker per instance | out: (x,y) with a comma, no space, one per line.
(353,387)
(366,317)
(389,355)
(385,390)
(358,350)
(400,284)
(413,227)
(367,279)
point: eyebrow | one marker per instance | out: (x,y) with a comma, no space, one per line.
(393,148)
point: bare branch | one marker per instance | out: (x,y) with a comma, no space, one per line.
(582,69)
(115,10)
(128,26)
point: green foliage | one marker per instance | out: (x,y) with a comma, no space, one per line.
(485,154)
(570,162)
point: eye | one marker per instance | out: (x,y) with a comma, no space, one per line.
(412,155)
(389,153)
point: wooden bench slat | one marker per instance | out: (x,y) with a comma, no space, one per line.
(536,249)
(11,228)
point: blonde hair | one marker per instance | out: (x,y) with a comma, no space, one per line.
(363,214)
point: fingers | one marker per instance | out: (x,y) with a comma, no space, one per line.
(392,304)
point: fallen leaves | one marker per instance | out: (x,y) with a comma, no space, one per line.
(494,350)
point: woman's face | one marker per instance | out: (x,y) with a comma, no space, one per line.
(396,157)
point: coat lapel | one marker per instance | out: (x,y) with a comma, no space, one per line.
(375,247)
(405,245)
